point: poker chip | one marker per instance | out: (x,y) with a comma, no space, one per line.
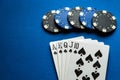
(73,17)
(61,18)
(86,17)
(49,23)
(104,21)
(78,18)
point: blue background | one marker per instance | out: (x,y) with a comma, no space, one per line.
(24,45)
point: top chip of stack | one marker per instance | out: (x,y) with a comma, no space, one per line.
(104,21)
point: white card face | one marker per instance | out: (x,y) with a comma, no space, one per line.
(88,61)
(54,51)
(62,51)
(53,47)
(80,59)
(66,54)
(70,51)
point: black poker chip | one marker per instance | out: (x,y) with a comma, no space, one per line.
(49,23)
(104,21)
(73,17)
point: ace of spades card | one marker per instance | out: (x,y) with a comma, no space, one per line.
(89,63)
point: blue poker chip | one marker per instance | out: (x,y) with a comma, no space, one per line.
(61,18)
(86,17)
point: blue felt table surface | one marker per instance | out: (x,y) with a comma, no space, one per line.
(24,45)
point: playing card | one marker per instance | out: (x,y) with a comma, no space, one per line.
(54,51)
(70,51)
(62,46)
(88,61)
(80,59)
(65,45)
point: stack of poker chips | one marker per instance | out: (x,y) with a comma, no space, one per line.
(67,19)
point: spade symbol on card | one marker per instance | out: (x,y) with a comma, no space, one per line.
(80,62)
(55,52)
(89,58)
(60,51)
(85,77)
(96,65)
(78,72)
(82,52)
(75,51)
(98,54)
(65,50)
(95,75)
(70,50)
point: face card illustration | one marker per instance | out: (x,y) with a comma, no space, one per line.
(85,65)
